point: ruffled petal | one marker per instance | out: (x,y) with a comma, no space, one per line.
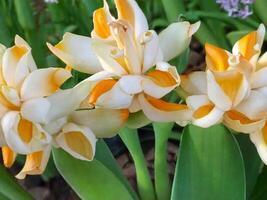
(76,51)
(176,38)
(78,141)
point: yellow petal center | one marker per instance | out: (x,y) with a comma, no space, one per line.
(101,26)
(203,111)
(78,143)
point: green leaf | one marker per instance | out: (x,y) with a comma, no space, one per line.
(90,180)
(104,155)
(209,167)
(259,192)
(10,188)
(252,161)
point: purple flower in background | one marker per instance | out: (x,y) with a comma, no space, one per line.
(237,8)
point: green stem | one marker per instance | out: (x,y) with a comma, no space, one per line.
(144,183)
(162,181)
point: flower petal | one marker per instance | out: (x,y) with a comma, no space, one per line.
(262,62)
(161,111)
(130,11)
(115,98)
(150,40)
(216,58)
(76,51)
(159,83)
(101,20)
(9,156)
(21,135)
(250,45)
(216,93)
(195,83)
(17,63)
(226,89)
(240,123)
(11,96)
(43,82)
(259,78)
(205,114)
(110,57)
(176,38)
(254,107)
(259,138)
(78,141)
(104,123)
(45,110)
(35,163)
(131,84)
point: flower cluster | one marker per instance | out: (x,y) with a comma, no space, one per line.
(233,89)
(130,76)
(237,8)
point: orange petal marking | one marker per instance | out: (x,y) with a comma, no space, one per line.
(100,88)
(203,111)
(166,106)
(7,103)
(235,115)
(264,133)
(230,84)
(246,45)
(33,163)
(79,144)
(162,78)
(18,52)
(217,57)
(125,11)
(124,114)
(101,26)
(25,130)
(8,156)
